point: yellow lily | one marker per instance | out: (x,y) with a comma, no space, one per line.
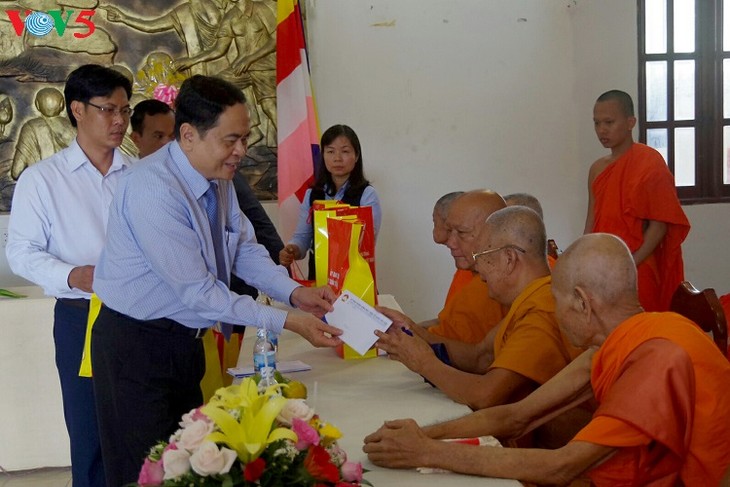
(251,433)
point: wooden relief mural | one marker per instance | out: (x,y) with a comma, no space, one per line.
(157,44)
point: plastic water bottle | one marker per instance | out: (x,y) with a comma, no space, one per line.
(264,360)
(264,299)
(274,339)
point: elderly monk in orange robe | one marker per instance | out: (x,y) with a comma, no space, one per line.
(469,313)
(441,235)
(661,385)
(525,199)
(632,195)
(525,349)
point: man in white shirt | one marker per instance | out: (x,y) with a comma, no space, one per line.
(56,233)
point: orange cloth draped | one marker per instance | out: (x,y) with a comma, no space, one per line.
(663,395)
(551,261)
(461,278)
(635,188)
(528,340)
(469,314)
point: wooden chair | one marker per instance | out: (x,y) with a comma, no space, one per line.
(703,308)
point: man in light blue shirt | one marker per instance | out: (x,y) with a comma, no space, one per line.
(175,234)
(56,232)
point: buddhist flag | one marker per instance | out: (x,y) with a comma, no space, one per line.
(298,130)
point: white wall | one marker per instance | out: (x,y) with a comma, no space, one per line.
(453,95)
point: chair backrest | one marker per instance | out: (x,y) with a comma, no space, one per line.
(703,308)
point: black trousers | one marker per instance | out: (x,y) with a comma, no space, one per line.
(146,376)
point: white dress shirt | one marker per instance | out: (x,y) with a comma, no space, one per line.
(58,218)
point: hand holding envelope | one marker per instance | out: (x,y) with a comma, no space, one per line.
(358,321)
(404,344)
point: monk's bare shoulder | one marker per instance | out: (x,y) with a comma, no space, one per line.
(598,167)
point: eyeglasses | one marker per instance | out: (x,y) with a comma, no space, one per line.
(485,252)
(125,112)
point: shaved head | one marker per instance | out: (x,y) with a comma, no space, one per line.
(516,225)
(441,208)
(481,202)
(622,98)
(524,199)
(440,212)
(602,265)
(511,252)
(466,218)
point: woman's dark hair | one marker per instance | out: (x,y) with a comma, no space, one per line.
(324,180)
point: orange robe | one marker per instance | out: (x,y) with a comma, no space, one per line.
(469,314)
(528,340)
(551,261)
(461,278)
(635,188)
(662,389)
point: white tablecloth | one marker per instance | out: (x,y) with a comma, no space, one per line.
(358,395)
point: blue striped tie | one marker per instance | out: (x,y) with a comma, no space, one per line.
(211,208)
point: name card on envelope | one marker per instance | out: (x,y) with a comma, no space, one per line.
(358,321)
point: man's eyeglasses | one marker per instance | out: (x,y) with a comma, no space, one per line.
(109,112)
(486,252)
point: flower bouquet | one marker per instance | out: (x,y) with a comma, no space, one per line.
(245,438)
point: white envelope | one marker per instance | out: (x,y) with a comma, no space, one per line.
(358,321)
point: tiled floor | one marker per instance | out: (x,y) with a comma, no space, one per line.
(45,477)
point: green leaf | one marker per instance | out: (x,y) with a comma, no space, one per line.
(11,294)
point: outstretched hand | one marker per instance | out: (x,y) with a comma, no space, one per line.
(314,330)
(315,300)
(398,444)
(401,345)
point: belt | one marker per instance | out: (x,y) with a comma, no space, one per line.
(164,324)
(75,302)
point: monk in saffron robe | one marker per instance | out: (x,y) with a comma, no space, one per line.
(469,313)
(525,349)
(632,195)
(441,235)
(525,199)
(460,280)
(660,382)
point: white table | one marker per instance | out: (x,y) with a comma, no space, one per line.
(32,430)
(358,395)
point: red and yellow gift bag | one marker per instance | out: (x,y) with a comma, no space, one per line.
(350,237)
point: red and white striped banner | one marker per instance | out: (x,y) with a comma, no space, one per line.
(298,128)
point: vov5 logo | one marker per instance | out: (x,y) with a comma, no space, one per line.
(40,23)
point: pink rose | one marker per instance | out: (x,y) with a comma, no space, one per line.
(151,474)
(209,460)
(194,434)
(305,433)
(176,463)
(352,472)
